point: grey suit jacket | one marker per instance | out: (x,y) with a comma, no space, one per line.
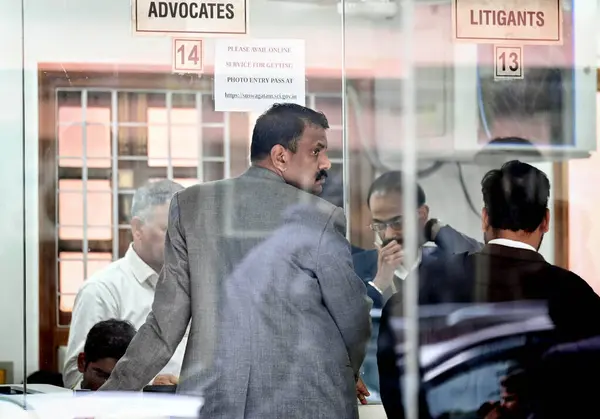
(211,229)
(294,325)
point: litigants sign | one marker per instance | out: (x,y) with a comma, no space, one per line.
(209,17)
(493,21)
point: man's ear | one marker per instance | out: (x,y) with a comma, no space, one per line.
(423,212)
(545,226)
(280,157)
(485,220)
(81,362)
(136,227)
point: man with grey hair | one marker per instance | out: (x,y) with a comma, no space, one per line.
(125,289)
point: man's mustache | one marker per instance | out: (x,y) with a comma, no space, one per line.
(322,174)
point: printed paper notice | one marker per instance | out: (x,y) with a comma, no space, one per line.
(251,75)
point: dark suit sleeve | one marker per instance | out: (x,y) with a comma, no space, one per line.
(157,339)
(573,306)
(451,241)
(343,292)
(365,266)
(389,374)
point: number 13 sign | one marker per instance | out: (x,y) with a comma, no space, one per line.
(508,62)
(188,55)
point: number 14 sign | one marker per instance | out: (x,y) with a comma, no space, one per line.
(188,55)
(508,62)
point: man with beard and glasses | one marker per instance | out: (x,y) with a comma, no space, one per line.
(212,227)
(382,269)
(515,218)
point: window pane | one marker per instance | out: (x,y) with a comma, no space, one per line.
(158,145)
(133,106)
(184,146)
(133,141)
(72,272)
(208,110)
(213,171)
(98,108)
(70,141)
(182,116)
(334,143)
(70,210)
(69,107)
(98,141)
(66,303)
(213,142)
(125,201)
(180,100)
(331,107)
(70,144)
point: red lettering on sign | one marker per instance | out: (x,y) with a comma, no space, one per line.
(485,17)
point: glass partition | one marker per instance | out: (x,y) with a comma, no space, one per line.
(101,98)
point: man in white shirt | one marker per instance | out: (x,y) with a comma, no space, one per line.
(125,289)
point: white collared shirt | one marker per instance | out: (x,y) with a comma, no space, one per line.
(402,272)
(123,290)
(512,243)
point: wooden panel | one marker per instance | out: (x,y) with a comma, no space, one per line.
(561,214)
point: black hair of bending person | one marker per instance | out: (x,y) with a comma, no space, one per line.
(108,339)
(493,149)
(392,182)
(515,196)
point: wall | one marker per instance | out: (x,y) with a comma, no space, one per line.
(584,226)
(11,171)
(85,31)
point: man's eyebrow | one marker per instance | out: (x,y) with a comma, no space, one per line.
(321,144)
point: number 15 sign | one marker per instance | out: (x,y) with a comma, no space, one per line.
(188,55)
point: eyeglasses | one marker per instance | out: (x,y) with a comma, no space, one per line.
(379,226)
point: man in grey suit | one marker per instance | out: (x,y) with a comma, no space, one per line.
(294,325)
(211,229)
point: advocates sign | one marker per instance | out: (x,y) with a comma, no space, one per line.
(211,17)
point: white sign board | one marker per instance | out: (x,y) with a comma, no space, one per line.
(253,74)
(508,62)
(536,22)
(214,17)
(187,55)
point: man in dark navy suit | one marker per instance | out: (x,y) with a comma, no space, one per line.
(382,269)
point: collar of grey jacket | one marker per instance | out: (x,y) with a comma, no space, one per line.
(262,173)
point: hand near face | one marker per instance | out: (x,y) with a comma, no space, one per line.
(389,259)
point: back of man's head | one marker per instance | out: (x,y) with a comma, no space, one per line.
(282,124)
(108,339)
(515,197)
(152,194)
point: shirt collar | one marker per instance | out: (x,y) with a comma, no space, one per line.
(512,243)
(140,269)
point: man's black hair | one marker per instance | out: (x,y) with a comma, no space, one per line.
(282,124)
(392,182)
(515,196)
(494,148)
(108,339)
